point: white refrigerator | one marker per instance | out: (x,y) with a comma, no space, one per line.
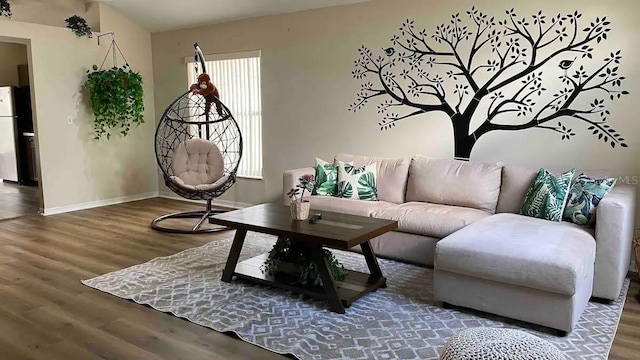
(8,158)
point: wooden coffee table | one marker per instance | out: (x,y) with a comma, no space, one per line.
(334,230)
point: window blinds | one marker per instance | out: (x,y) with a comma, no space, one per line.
(238,80)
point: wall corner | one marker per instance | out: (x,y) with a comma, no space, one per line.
(93,15)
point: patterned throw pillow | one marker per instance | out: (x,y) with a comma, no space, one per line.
(584,196)
(326,179)
(357,182)
(547,196)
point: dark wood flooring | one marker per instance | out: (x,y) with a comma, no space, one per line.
(17,200)
(46,313)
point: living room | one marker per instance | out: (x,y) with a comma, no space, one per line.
(321,73)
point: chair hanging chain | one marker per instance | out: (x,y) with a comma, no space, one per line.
(112,49)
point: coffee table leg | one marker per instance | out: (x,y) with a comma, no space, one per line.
(328,283)
(234,255)
(372,261)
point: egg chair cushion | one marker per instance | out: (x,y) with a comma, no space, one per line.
(200,187)
(198,164)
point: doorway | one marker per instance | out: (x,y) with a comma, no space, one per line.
(19,185)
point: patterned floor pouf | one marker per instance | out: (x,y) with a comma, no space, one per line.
(495,343)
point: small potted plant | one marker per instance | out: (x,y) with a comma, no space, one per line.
(299,206)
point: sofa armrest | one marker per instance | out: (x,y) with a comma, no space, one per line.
(615,216)
(290,180)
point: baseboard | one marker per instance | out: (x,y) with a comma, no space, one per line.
(218,202)
(98,203)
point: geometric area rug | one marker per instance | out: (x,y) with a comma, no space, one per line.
(401,321)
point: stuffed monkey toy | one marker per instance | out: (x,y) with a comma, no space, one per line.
(210,92)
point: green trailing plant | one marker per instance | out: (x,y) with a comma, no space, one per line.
(116,97)
(287,251)
(79,26)
(5,8)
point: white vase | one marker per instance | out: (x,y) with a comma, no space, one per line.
(300,210)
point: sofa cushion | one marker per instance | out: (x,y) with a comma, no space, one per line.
(435,220)
(547,196)
(197,162)
(357,182)
(346,206)
(520,250)
(326,178)
(584,196)
(391,175)
(454,182)
(516,181)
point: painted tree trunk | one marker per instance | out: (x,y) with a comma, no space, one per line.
(463,147)
(463,142)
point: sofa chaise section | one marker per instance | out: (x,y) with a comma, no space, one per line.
(615,217)
(520,267)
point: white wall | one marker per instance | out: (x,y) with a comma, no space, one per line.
(307,87)
(47,12)
(76,169)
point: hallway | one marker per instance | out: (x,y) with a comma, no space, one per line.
(17,200)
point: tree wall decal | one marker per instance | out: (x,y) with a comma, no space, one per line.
(494,70)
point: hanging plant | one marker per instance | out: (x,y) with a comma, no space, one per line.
(79,26)
(116,98)
(5,8)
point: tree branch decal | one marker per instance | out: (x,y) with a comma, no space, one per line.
(500,66)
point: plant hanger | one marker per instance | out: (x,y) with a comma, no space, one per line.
(114,49)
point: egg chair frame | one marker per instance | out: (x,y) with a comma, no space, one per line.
(190,146)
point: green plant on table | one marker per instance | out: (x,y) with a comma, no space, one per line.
(116,97)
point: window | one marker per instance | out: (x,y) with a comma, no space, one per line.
(237,77)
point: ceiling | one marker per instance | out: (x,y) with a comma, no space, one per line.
(163,15)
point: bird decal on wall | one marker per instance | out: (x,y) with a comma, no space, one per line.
(566,64)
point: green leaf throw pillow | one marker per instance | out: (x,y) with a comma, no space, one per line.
(357,182)
(584,197)
(547,196)
(326,179)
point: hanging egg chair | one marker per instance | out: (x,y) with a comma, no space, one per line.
(198,147)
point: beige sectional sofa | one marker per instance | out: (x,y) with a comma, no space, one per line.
(461,218)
